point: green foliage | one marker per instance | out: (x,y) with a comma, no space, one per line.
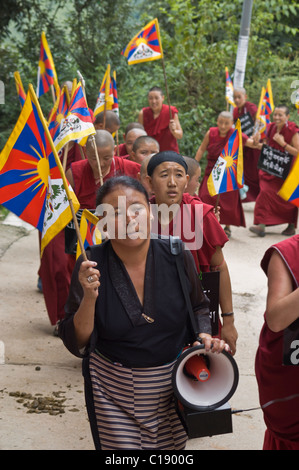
(199,40)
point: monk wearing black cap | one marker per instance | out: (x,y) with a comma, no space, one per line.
(178,213)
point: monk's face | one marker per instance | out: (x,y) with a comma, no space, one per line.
(193,184)
(168,182)
(105,155)
(131,136)
(224,125)
(239,99)
(280,117)
(155,101)
(145,150)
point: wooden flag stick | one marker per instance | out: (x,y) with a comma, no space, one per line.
(166,87)
(104,122)
(53,93)
(65,153)
(117,143)
(97,157)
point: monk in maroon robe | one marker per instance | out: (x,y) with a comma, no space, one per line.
(124,149)
(231,210)
(276,363)
(270,208)
(196,225)
(161,123)
(55,277)
(250,156)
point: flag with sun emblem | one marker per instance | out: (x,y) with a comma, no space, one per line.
(227,173)
(58,112)
(77,124)
(46,75)
(146,45)
(32,182)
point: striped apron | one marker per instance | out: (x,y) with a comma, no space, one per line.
(135,407)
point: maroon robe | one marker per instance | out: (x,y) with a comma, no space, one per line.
(271,209)
(279,384)
(231,210)
(250,156)
(56,277)
(186,223)
(213,234)
(75,153)
(158,128)
(122,149)
(85,187)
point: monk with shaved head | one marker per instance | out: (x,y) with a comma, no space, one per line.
(84,176)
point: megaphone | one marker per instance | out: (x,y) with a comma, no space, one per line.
(202,403)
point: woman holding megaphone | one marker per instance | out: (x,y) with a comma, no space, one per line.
(127,317)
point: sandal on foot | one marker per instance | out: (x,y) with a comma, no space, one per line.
(227,232)
(289,231)
(258,231)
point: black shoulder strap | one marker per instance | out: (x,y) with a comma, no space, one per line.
(176,248)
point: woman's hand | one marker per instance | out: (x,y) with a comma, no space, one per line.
(279,139)
(89,279)
(214,345)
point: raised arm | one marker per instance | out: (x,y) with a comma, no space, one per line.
(203,147)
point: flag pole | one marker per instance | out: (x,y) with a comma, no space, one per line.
(65,153)
(58,162)
(97,157)
(166,86)
(53,93)
(92,137)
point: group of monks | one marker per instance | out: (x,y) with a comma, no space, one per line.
(158,129)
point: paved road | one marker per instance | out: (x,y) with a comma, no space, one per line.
(41,391)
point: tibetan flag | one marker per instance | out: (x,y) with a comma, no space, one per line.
(227,173)
(266,107)
(20,88)
(32,183)
(59,112)
(78,123)
(105,97)
(115,106)
(268,104)
(90,234)
(146,45)
(290,188)
(229,89)
(46,69)
(260,120)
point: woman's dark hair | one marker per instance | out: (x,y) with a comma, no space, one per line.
(125,181)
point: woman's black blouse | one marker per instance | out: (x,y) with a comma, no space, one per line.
(121,332)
